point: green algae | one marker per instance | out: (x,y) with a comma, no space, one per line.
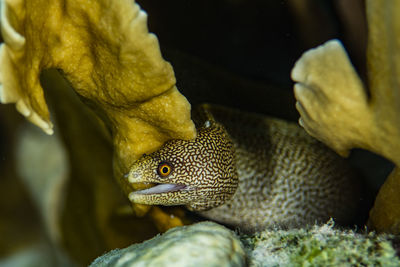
(323,245)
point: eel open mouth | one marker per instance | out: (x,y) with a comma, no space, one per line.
(162,188)
(163,194)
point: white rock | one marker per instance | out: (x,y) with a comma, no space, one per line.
(201,244)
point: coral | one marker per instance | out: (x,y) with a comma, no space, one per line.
(80,206)
(201,244)
(105,51)
(321,88)
(320,246)
(335,107)
(45,181)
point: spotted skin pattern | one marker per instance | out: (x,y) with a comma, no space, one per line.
(205,165)
(275,175)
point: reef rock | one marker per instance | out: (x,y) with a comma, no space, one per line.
(201,244)
(322,245)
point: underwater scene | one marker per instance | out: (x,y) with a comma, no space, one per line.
(200,133)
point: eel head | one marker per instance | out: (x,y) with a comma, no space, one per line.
(200,174)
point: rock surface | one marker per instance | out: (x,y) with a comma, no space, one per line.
(323,245)
(201,244)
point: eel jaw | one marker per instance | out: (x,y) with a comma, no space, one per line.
(161,194)
(161,188)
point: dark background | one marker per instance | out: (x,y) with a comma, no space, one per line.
(240,53)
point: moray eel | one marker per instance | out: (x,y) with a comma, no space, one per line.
(248,171)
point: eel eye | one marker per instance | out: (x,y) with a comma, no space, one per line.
(164,169)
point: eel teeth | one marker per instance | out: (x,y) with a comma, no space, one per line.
(161,188)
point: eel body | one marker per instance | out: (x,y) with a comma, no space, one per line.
(249,171)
